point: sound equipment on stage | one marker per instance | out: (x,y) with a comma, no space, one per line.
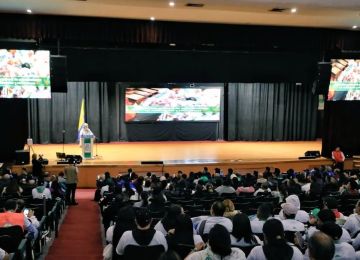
(22,157)
(315,154)
(58,73)
(65,159)
(152,162)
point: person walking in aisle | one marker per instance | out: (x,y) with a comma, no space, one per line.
(71,174)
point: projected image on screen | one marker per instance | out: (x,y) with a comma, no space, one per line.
(175,104)
(345,80)
(24,74)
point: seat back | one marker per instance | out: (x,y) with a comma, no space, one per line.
(10,238)
(132,252)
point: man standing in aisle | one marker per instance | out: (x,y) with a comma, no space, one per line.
(71,172)
(339,158)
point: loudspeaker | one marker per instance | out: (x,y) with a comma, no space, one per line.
(152,162)
(321,85)
(315,154)
(22,157)
(58,73)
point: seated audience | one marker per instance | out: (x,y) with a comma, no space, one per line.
(331,203)
(343,250)
(142,235)
(168,222)
(30,214)
(352,223)
(230,211)
(275,246)
(242,234)
(217,217)
(324,216)
(321,247)
(219,247)
(40,191)
(225,188)
(13,189)
(263,190)
(301,215)
(144,196)
(264,212)
(289,222)
(12,218)
(183,234)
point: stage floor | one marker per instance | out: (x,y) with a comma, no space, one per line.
(180,152)
(243,157)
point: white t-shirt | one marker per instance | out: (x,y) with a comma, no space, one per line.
(301,216)
(293,225)
(343,251)
(257,226)
(236,254)
(352,224)
(110,233)
(212,221)
(160,227)
(37,195)
(258,254)
(345,237)
(242,243)
(128,239)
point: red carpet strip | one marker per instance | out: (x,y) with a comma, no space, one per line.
(80,233)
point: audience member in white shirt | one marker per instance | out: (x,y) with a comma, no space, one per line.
(275,245)
(241,234)
(327,215)
(352,224)
(343,251)
(289,223)
(40,191)
(301,215)
(264,189)
(217,212)
(264,212)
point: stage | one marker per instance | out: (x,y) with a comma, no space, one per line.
(186,156)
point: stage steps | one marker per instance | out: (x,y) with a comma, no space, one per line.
(356,161)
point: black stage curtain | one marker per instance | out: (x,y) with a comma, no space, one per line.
(58,117)
(105,112)
(342,127)
(271,112)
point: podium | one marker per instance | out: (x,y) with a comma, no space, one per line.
(87,143)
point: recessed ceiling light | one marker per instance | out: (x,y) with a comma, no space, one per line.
(354,27)
(293,10)
(172,3)
(172,44)
(152,18)
(28,11)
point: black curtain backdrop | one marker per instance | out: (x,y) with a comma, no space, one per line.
(341,127)
(271,112)
(105,113)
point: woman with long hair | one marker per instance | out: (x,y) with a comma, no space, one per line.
(275,246)
(182,238)
(13,189)
(168,222)
(242,234)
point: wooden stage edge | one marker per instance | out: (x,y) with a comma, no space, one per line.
(187,157)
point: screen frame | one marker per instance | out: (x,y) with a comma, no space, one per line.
(218,85)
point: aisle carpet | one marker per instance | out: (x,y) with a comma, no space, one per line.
(80,233)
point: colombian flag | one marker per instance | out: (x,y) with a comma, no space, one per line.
(81,117)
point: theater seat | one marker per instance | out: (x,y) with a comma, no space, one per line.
(132,252)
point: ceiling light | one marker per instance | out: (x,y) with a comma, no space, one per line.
(152,18)
(293,10)
(172,44)
(172,3)
(354,27)
(28,11)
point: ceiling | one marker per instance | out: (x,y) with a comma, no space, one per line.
(340,14)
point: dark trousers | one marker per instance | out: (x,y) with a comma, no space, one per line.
(70,193)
